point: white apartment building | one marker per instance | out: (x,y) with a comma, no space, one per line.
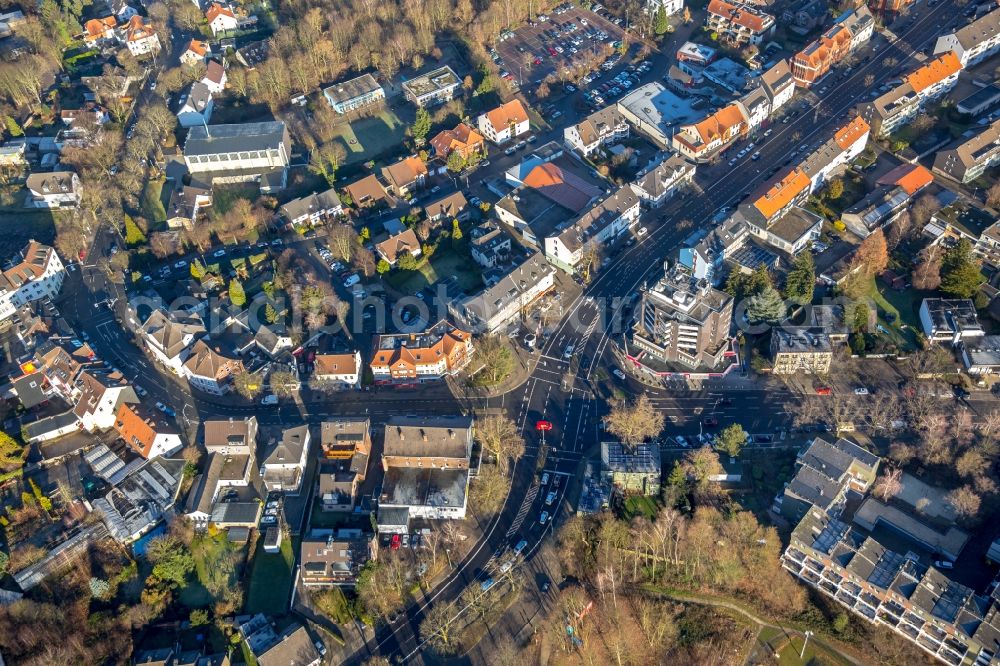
(505,122)
(670,7)
(973,42)
(342,369)
(169,338)
(37,273)
(603,127)
(54,189)
(601,224)
(495,307)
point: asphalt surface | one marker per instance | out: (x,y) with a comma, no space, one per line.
(573,409)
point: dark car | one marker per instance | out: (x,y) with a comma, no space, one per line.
(711,421)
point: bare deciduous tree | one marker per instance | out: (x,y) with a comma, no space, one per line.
(634,422)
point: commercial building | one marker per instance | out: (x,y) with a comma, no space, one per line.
(354,94)
(570,242)
(441,350)
(239,153)
(36,274)
(696,54)
(800,349)
(435,87)
(967,158)
(981,356)
(426,462)
(701,140)
(684,320)
(739,23)
(774,214)
(778,84)
(497,306)
(950,320)
(206,369)
(973,42)
(606,126)
(655,111)
(507,121)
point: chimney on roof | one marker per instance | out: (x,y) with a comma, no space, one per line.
(451,434)
(423,434)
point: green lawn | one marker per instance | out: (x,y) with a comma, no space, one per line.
(367,138)
(901,307)
(223,198)
(217,561)
(445,262)
(640,505)
(814,655)
(152,202)
(271,579)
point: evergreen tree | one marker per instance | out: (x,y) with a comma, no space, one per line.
(383,267)
(455,161)
(456,231)
(766,306)
(12,127)
(365,235)
(660,23)
(133,234)
(197,270)
(801,279)
(742,285)
(237,296)
(270,315)
(421,126)
(960,274)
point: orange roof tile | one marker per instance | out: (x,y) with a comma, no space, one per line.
(719,123)
(782,193)
(461,138)
(911,177)
(137,431)
(507,114)
(851,132)
(98,27)
(218,10)
(199,47)
(935,71)
(740,15)
(336,364)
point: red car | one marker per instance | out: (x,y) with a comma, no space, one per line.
(823,390)
(394,544)
(552,51)
(538,61)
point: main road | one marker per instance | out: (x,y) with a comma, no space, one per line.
(572,408)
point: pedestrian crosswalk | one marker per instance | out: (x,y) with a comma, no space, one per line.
(529,499)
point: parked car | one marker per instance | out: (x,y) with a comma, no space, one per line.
(618,373)
(545,479)
(521,545)
(550,498)
(861,390)
(544,518)
(351,280)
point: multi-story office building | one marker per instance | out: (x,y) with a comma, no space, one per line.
(354,94)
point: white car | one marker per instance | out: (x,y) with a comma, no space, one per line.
(680,440)
(861,390)
(219,253)
(544,518)
(180,264)
(642,231)
(141,391)
(351,280)
(160,406)
(506,566)
(619,374)
(269,400)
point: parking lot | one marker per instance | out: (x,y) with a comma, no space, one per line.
(567,43)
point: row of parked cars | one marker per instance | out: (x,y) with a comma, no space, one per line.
(616,87)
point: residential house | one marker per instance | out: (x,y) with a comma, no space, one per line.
(391,248)
(897,107)
(951,320)
(97,32)
(405,176)
(507,121)
(834,154)
(660,180)
(221,19)
(293,648)
(441,350)
(739,23)
(778,84)
(354,94)
(123,11)
(435,87)
(345,450)
(683,320)
(489,244)
(606,126)
(12,155)
(702,139)
(208,370)
(313,209)
(35,274)
(31,390)
(876,210)
(215,77)
(231,437)
(967,158)
(239,153)
(757,107)
(225,474)
(979,102)
(670,7)
(705,260)
(825,473)
(981,356)
(367,192)
(341,369)
(62,367)
(774,213)
(602,224)
(54,189)
(285,467)
(335,557)
(463,139)
(973,42)
(146,430)
(169,337)
(101,395)
(800,349)
(850,31)
(197,106)
(632,470)
(185,205)
(197,52)
(426,462)
(501,304)
(449,207)
(140,37)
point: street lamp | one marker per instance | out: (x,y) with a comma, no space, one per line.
(802,654)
